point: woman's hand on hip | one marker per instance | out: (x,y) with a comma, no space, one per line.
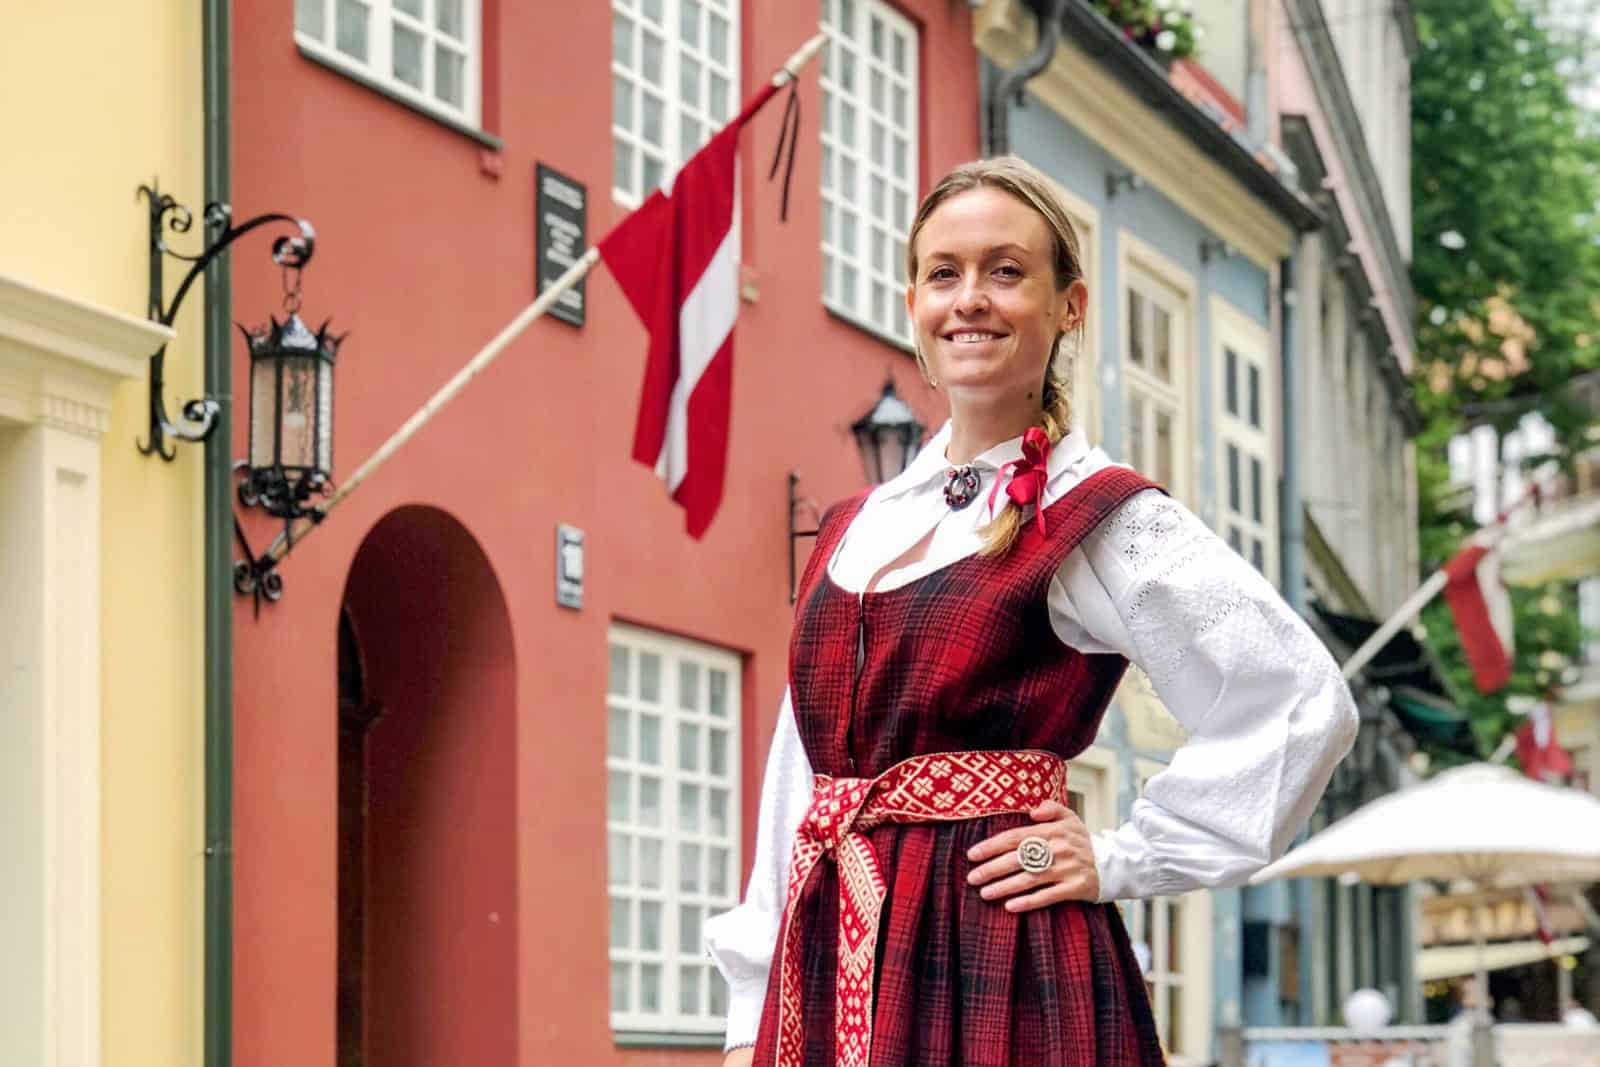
(1072,876)
(740,1057)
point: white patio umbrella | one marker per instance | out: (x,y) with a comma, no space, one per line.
(1481,823)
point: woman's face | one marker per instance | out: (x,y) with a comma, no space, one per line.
(984,303)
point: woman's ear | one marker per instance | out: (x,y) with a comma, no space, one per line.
(1073,307)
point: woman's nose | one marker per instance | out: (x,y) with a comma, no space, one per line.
(972,298)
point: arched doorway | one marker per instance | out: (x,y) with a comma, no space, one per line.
(427,731)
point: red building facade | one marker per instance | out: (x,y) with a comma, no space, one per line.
(473,825)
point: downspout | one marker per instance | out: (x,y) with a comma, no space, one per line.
(216,47)
(997,141)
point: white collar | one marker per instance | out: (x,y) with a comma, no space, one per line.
(930,463)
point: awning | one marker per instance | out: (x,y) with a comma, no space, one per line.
(1561,544)
(1454,961)
(1419,697)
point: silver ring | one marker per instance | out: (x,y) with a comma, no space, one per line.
(1035,855)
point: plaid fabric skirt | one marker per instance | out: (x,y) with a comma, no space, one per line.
(961,982)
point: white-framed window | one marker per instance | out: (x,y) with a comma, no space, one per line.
(672,826)
(1092,788)
(674,82)
(1157,352)
(428,52)
(1172,936)
(869,162)
(1085,367)
(1247,476)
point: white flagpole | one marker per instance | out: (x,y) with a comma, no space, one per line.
(1393,625)
(487,355)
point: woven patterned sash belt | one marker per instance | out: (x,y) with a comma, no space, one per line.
(941,787)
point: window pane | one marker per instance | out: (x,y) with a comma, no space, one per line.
(410,7)
(900,53)
(688,685)
(1255,489)
(448,18)
(617,730)
(620,975)
(847,232)
(1258,554)
(689,930)
(650,988)
(847,70)
(877,36)
(719,40)
(649,926)
(1175,1020)
(689,23)
(1235,490)
(1174,938)
(350,28)
(688,747)
(618,680)
(308,15)
(689,136)
(689,990)
(1135,434)
(649,677)
(717,861)
(719,693)
(880,145)
(719,752)
(652,173)
(651,111)
(652,58)
(719,993)
(689,868)
(650,739)
(1231,380)
(847,15)
(1255,397)
(622,178)
(847,124)
(1161,343)
(717,800)
(619,858)
(847,285)
(902,155)
(621,923)
(618,790)
(651,10)
(1136,340)
(847,176)
(900,98)
(689,81)
(621,111)
(449,77)
(649,863)
(689,808)
(879,92)
(622,41)
(1235,540)
(649,801)
(719,99)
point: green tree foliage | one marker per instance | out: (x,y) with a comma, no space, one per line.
(1506,266)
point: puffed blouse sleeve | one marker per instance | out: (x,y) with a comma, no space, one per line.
(741,941)
(1266,709)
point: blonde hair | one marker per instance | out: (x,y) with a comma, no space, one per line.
(1027,183)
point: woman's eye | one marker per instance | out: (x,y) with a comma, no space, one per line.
(939,274)
(1006,270)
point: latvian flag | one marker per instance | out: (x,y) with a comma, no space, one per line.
(1481,607)
(677,259)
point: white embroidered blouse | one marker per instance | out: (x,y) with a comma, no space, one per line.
(1267,713)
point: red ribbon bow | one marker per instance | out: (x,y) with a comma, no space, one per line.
(1028,476)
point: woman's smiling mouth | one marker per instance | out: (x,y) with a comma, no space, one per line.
(967,337)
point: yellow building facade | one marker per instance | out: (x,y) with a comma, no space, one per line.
(101,637)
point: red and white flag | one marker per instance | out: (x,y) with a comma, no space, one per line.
(1481,607)
(1541,755)
(677,259)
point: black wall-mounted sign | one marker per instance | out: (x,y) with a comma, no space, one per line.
(561,210)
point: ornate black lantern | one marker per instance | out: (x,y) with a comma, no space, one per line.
(291,416)
(888,436)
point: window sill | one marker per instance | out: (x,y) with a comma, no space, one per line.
(850,319)
(666,1039)
(348,70)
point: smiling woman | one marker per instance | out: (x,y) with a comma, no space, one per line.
(959,633)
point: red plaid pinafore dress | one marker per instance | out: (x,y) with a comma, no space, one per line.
(962,658)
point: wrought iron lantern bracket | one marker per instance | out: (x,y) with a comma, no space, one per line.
(199,416)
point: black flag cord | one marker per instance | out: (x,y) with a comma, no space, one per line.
(788,134)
